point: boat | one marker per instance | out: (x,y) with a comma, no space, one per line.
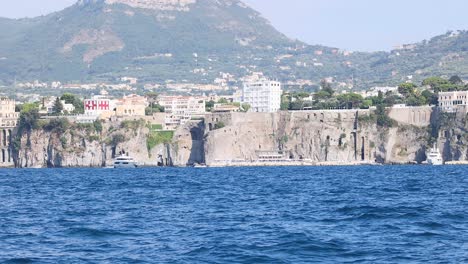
(434,157)
(124,161)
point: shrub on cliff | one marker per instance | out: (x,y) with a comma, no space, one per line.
(28,119)
(159,137)
(58,125)
(133,124)
(219,125)
(383,120)
(97,126)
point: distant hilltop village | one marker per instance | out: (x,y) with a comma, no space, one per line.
(408,104)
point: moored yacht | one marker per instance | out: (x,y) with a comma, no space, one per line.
(124,161)
(434,157)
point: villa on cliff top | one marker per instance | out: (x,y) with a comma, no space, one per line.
(8,121)
(451,102)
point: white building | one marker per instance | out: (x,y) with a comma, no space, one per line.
(263,95)
(181,109)
(374,91)
(98,104)
(8,121)
(48,105)
(450,101)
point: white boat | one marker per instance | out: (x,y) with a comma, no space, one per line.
(434,157)
(124,161)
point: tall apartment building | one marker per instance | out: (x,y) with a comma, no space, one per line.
(180,109)
(8,121)
(449,101)
(263,95)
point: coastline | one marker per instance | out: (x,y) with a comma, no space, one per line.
(257,164)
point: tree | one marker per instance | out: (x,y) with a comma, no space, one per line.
(29,117)
(322,95)
(301,95)
(285,101)
(456,80)
(407,89)
(152,98)
(350,100)
(382,118)
(414,100)
(245,107)
(439,84)
(431,98)
(366,104)
(58,106)
(223,101)
(326,87)
(69,98)
(209,105)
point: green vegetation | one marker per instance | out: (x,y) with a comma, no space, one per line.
(223,101)
(75,101)
(219,51)
(57,125)
(159,137)
(156,127)
(209,105)
(245,107)
(383,120)
(133,124)
(408,93)
(97,126)
(219,125)
(154,108)
(29,118)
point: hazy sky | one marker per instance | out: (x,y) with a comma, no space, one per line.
(347,24)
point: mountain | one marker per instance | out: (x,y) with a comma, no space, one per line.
(195,40)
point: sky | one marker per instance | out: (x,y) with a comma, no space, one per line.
(358,25)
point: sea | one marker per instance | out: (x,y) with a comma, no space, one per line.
(362,214)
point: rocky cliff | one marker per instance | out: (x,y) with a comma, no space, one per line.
(330,137)
(321,136)
(73,145)
(452,132)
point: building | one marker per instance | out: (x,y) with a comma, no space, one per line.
(131,105)
(374,91)
(99,106)
(8,121)
(262,95)
(181,109)
(225,108)
(48,105)
(451,101)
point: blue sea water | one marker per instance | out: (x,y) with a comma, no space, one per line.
(394,214)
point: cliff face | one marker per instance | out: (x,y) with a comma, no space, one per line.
(452,130)
(321,136)
(83,146)
(333,137)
